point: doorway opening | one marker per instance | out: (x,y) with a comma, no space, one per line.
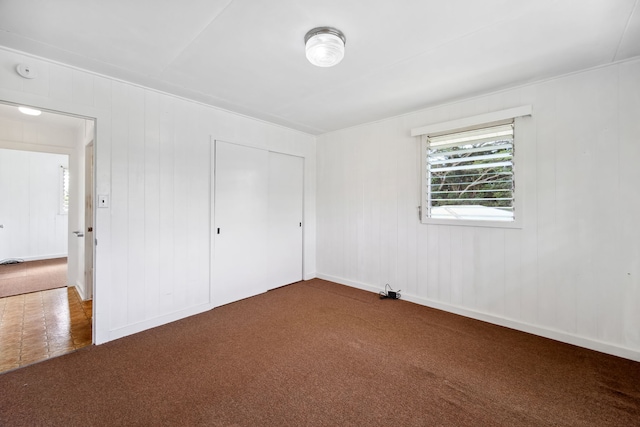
(46,234)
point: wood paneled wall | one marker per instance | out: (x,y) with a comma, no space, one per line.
(153,158)
(571,273)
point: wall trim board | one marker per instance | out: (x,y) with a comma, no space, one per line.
(80,289)
(41,257)
(38,148)
(486,119)
(553,334)
(115,334)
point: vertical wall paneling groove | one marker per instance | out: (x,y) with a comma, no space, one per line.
(197,203)
(569,273)
(82,85)
(167,277)
(412,177)
(512,274)
(547,140)
(389,207)
(629,125)
(61,83)
(609,237)
(484,267)
(528,279)
(361,160)
(353,208)
(180,204)
(444,264)
(152,203)
(433,262)
(119,208)
(136,212)
(102,312)
(202,184)
(464,266)
(403,194)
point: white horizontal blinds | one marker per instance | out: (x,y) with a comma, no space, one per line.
(470,174)
(64,203)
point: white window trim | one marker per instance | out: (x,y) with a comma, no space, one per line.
(483,120)
(469,122)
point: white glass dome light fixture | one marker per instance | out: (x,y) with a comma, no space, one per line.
(29,111)
(325,46)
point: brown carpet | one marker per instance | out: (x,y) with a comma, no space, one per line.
(321,354)
(32,276)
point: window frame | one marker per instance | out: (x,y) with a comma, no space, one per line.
(514,115)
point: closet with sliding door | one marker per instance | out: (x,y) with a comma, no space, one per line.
(257,221)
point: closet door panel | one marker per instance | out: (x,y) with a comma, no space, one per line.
(286,174)
(240,222)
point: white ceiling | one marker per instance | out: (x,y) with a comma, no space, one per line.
(248,56)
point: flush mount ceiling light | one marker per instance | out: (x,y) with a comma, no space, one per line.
(29,111)
(325,46)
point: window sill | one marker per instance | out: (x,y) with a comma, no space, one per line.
(472,223)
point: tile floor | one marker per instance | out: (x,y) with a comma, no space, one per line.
(40,325)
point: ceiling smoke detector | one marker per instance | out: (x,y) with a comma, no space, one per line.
(26,71)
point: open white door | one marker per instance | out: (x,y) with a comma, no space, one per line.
(89,238)
(286,174)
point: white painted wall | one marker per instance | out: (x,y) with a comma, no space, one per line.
(153,159)
(571,273)
(30,190)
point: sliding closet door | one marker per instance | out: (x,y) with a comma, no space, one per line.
(240,222)
(285,219)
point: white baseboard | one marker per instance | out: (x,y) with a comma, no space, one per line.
(80,288)
(553,334)
(152,323)
(40,257)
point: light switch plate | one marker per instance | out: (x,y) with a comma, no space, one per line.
(103,200)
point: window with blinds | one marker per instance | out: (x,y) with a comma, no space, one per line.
(470,174)
(64,194)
